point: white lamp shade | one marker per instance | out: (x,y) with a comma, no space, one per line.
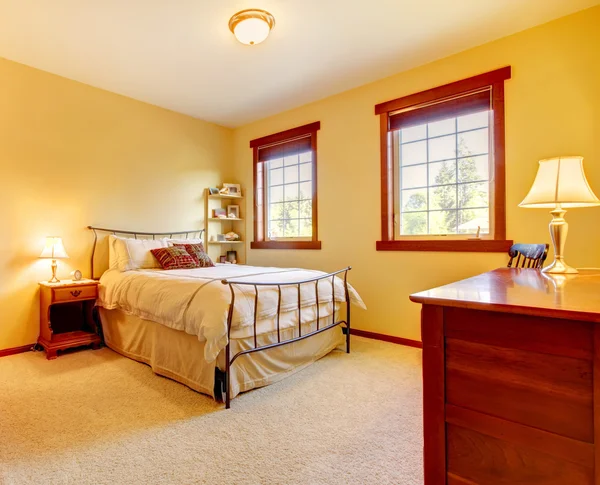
(54,249)
(252,31)
(560,180)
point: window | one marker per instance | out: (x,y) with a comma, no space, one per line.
(285,189)
(442,166)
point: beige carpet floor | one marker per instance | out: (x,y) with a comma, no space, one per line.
(94,417)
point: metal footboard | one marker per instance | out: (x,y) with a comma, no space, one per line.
(229,359)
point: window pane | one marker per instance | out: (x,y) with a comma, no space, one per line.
(290,210)
(306,171)
(413,223)
(290,160)
(475,120)
(412,153)
(291,228)
(414,200)
(276,194)
(305,208)
(305,190)
(277,163)
(444,127)
(413,133)
(442,148)
(291,192)
(414,176)
(291,174)
(276,176)
(306,227)
(473,142)
(305,157)
(473,195)
(276,229)
(275,211)
(469,219)
(443,197)
(441,173)
(442,222)
(471,169)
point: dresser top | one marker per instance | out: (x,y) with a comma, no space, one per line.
(525,291)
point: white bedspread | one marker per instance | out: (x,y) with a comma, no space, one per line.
(196,302)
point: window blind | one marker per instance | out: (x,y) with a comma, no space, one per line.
(285,149)
(451,108)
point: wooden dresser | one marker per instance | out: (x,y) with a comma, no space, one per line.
(511,379)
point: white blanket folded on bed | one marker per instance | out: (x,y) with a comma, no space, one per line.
(196,302)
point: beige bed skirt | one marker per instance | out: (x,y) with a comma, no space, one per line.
(180,356)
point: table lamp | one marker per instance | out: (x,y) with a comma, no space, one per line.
(560,184)
(54,249)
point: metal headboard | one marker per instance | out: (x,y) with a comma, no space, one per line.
(193,234)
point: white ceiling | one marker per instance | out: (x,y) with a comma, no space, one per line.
(179,54)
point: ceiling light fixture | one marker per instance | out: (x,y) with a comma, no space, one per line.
(251,26)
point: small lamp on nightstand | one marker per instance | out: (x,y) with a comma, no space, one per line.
(54,250)
(560,184)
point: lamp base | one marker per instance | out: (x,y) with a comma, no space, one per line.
(558,232)
(54,278)
(558,266)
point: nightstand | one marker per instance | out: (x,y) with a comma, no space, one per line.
(66,316)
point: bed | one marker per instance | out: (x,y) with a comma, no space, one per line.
(219,330)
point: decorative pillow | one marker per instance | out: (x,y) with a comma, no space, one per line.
(197,252)
(174,258)
(126,254)
(195,240)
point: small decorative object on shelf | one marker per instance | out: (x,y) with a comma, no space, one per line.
(232,257)
(213,191)
(477,235)
(220,212)
(232,236)
(233,211)
(220,237)
(231,189)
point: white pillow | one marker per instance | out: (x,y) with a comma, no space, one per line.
(185,241)
(126,254)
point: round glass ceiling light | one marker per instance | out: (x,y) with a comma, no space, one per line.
(251,26)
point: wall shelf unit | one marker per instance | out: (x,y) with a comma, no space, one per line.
(218,225)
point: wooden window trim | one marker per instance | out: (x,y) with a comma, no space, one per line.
(499,243)
(260,241)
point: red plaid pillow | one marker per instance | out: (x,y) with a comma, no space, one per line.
(174,258)
(197,252)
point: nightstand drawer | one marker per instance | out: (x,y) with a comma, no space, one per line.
(74,293)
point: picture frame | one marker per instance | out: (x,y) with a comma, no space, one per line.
(222,258)
(232,257)
(219,213)
(231,189)
(220,237)
(233,211)
(213,191)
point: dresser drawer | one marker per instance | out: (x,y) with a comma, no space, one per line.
(74,293)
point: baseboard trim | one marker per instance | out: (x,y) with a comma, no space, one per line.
(387,338)
(16,350)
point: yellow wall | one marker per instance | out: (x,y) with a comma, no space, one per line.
(552,108)
(72,155)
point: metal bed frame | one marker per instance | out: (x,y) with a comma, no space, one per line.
(222,379)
